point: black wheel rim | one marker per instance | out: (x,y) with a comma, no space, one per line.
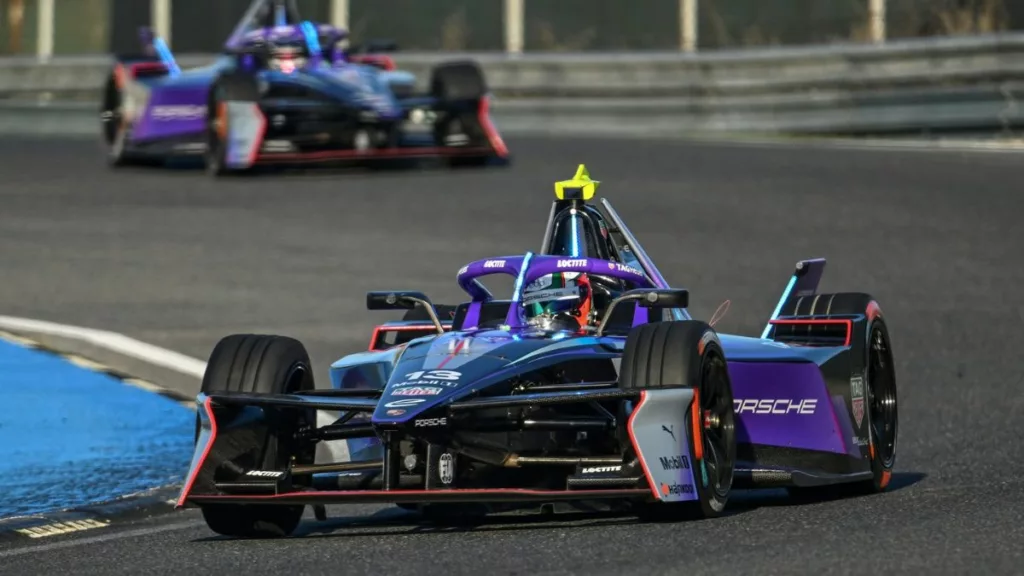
(111,117)
(882,400)
(718,422)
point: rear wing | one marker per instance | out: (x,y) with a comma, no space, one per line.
(803,282)
(829,330)
(394,333)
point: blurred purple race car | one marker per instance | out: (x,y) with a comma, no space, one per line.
(590,387)
(288,91)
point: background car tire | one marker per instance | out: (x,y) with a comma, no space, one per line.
(459,87)
(881,400)
(687,354)
(234,86)
(264,365)
(458,81)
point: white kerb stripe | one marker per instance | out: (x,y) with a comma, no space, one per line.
(111,341)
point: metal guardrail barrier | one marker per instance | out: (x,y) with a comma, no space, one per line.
(965,83)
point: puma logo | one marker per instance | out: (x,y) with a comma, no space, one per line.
(670,431)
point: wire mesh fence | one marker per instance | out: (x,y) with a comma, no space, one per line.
(85,26)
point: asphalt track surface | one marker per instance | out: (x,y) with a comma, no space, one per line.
(179,260)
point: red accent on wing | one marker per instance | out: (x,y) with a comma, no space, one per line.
(696,424)
(383,62)
(208,406)
(382,328)
(873,311)
(147,69)
(799,322)
(254,154)
(484,116)
(119,73)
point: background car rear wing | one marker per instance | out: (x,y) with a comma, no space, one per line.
(259,14)
(391,334)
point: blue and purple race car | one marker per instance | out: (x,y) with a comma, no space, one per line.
(590,387)
(289,91)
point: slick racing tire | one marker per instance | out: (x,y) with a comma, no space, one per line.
(458,81)
(263,365)
(688,354)
(229,87)
(881,416)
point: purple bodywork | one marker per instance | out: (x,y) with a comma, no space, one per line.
(175,110)
(786,404)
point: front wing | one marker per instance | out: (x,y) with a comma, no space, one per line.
(249,145)
(231,424)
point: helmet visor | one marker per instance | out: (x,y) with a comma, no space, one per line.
(551,301)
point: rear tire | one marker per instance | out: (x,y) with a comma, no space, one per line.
(263,365)
(880,394)
(458,81)
(688,354)
(460,86)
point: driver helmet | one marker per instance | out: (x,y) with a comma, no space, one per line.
(287,58)
(559,301)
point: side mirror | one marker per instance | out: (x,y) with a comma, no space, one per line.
(664,298)
(648,298)
(396,300)
(403,300)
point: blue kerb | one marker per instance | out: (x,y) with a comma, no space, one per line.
(70,436)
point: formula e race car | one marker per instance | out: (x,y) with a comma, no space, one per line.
(288,91)
(591,387)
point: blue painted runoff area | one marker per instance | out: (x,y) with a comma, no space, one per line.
(70,436)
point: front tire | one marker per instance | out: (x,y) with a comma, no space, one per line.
(263,365)
(688,354)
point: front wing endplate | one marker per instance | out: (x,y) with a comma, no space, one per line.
(661,439)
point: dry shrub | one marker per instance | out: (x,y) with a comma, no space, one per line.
(455,31)
(910,18)
(548,40)
(970,16)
